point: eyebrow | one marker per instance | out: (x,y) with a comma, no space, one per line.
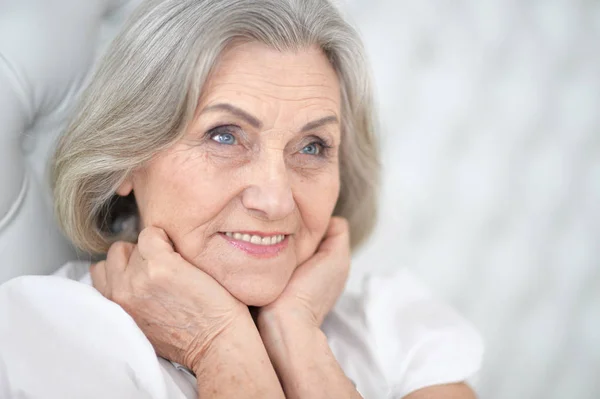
(235,111)
(319,122)
(256,123)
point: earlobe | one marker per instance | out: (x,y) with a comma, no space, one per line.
(125,188)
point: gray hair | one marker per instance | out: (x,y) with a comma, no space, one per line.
(146,90)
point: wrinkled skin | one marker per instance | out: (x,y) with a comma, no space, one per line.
(271,180)
(275,172)
(179,308)
(182,310)
(183,283)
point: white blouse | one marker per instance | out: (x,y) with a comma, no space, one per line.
(60,338)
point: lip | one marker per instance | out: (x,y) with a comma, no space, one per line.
(259,251)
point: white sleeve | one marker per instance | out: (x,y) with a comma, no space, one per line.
(395,337)
(420,341)
(62,339)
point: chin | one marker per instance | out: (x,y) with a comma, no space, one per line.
(256,293)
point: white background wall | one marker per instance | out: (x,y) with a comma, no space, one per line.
(490,117)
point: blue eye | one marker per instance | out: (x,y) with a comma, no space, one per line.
(311,149)
(224,138)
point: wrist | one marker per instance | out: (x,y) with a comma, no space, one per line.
(300,354)
(236,364)
(293,318)
(208,351)
(289,339)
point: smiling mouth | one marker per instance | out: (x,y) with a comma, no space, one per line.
(256,239)
(257,245)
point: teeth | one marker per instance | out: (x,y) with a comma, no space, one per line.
(257,240)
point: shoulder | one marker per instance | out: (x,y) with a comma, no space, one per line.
(413,339)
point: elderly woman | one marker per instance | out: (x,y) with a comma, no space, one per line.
(223,158)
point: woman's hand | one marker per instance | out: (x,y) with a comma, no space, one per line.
(316,285)
(180,309)
(290,326)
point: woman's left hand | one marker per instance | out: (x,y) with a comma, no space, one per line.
(316,284)
(290,326)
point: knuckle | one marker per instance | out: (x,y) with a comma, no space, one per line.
(119,251)
(151,232)
(145,234)
(341,224)
(121,297)
(158,271)
(338,226)
(98,266)
(97,269)
(139,283)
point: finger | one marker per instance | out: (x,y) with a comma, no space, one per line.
(98,274)
(337,226)
(153,241)
(337,236)
(117,260)
(335,243)
(135,260)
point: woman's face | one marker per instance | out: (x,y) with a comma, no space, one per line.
(247,194)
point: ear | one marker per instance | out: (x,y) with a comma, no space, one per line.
(125,188)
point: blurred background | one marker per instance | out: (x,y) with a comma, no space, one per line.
(490,123)
(490,117)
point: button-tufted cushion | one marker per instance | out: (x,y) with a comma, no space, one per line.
(47,49)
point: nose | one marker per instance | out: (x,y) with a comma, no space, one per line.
(269,193)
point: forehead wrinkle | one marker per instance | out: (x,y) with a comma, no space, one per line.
(307,102)
(266,87)
(302,61)
(309,113)
(267,81)
(301,116)
(237,88)
(260,94)
(302,79)
(306,98)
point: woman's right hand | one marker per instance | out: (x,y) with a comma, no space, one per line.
(180,309)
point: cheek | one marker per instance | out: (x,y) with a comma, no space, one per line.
(316,200)
(181,192)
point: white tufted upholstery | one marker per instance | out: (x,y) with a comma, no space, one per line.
(47,49)
(490,112)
